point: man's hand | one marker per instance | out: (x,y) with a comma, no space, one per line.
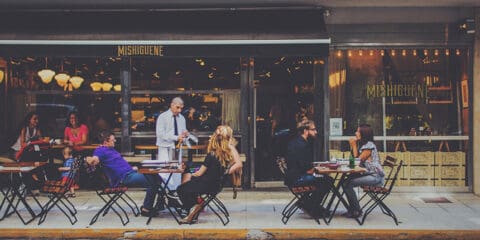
(93,160)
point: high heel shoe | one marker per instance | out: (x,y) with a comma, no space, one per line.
(192,216)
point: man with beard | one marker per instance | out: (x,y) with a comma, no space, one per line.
(300,169)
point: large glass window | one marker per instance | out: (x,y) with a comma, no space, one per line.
(415,99)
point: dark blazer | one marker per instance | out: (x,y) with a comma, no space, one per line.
(299,159)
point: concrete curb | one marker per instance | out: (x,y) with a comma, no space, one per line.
(231,234)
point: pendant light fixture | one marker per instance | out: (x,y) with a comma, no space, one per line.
(46,74)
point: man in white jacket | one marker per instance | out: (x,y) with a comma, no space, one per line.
(171,128)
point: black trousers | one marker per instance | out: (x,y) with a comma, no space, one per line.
(189,191)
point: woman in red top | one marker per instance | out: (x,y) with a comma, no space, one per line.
(76,134)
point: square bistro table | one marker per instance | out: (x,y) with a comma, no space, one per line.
(163,188)
(14,194)
(343,173)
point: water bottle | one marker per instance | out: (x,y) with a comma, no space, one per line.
(351,161)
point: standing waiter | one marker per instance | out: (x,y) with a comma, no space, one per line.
(171,128)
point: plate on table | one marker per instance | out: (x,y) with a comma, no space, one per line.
(333,166)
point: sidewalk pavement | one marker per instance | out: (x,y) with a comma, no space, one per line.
(256,214)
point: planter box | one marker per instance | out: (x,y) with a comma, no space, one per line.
(422,158)
(455,172)
(450,158)
(450,182)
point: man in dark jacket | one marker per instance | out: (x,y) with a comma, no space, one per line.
(300,169)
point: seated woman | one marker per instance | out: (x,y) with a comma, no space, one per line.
(222,154)
(29,132)
(76,133)
(370,160)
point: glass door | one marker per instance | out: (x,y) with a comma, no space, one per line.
(283,95)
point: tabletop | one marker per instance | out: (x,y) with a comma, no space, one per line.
(326,170)
(20,167)
(159,170)
(155,147)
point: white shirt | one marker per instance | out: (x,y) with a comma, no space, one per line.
(165,130)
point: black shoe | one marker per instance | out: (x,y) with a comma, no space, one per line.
(353,214)
(148,212)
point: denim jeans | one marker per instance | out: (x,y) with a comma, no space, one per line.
(149,181)
(355,181)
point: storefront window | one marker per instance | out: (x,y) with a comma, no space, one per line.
(415,99)
(210,88)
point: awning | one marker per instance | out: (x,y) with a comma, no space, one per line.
(203,32)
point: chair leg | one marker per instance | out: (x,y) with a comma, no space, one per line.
(131,204)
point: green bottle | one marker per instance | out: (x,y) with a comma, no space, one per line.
(351,161)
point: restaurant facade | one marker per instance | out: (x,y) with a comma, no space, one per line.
(259,67)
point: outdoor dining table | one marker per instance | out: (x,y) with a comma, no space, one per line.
(163,187)
(14,194)
(343,173)
(154,148)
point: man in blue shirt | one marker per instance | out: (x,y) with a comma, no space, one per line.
(300,168)
(119,171)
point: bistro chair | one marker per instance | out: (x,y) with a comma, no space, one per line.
(301,194)
(377,194)
(211,200)
(56,192)
(110,196)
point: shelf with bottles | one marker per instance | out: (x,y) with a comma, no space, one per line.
(442,94)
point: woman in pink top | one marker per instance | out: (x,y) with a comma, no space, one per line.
(76,134)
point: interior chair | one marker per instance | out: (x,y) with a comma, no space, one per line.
(111,196)
(56,191)
(376,194)
(301,194)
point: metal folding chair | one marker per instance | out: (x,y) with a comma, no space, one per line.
(378,194)
(110,196)
(56,191)
(301,194)
(211,201)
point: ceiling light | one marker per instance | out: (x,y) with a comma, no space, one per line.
(62,79)
(107,86)
(46,74)
(76,81)
(2,75)
(117,88)
(96,86)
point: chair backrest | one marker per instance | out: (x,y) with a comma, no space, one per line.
(74,170)
(394,179)
(390,166)
(282,165)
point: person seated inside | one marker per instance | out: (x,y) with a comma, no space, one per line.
(300,168)
(67,166)
(222,155)
(76,133)
(118,171)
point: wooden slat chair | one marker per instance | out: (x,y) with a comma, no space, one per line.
(56,191)
(110,196)
(300,193)
(377,194)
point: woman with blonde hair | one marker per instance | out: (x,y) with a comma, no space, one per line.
(222,155)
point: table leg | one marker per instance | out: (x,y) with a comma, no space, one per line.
(337,194)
